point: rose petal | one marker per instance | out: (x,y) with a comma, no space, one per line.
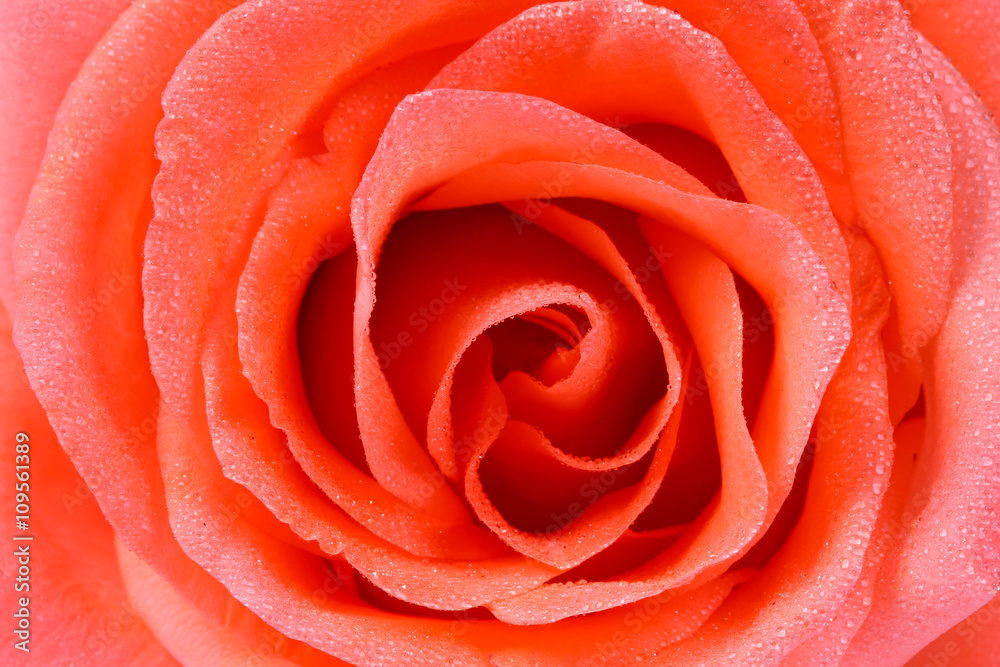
(627,635)
(296,60)
(70,554)
(833,641)
(505,270)
(805,584)
(636,63)
(707,300)
(194,640)
(501,181)
(774,48)
(378,414)
(253,452)
(948,564)
(281,582)
(513,121)
(78,262)
(964,31)
(35,77)
(291,231)
(975,641)
(899,167)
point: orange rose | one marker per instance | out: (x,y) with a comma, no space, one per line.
(586,333)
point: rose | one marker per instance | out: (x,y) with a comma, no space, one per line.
(895,603)
(854,526)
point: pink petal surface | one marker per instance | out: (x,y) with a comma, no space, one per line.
(35,77)
(946,566)
(280,462)
(71,566)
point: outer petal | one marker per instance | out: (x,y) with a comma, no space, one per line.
(975,642)
(947,565)
(44,45)
(899,164)
(829,645)
(274,68)
(78,266)
(80,614)
(965,31)
(195,640)
(789,72)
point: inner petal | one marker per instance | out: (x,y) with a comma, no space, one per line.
(542,343)
(699,157)
(537,492)
(436,272)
